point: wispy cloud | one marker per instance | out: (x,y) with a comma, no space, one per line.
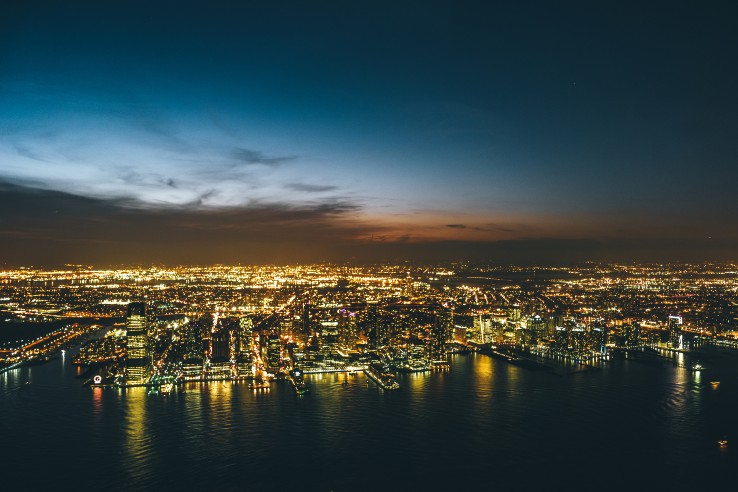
(251,156)
(310,188)
(24,151)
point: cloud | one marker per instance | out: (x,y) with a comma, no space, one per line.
(26,152)
(152,172)
(310,188)
(456,226)
(250,156)
(50,228)
(56,227)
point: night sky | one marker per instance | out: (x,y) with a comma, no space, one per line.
(168,132)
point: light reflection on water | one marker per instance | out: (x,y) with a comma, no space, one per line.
(481,419)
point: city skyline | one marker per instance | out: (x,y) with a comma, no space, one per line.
(275,134)
(338,377)
(368,245)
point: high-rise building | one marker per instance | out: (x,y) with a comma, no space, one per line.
(561,340)
(138,361)
(347,333)
(245,334)
(598,338)
(482,331)
(221,345)
(375,328)
(675,332)
(513,312)
(578,342)
(306,325)
(440,333)
(244,354)
(633,335)
(273,357)
(408,286)
(537,329)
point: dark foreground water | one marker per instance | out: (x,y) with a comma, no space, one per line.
(484,424)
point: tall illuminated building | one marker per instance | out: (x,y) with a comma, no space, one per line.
(306,324)
(598,339)
(440,333)
(220,365)
(513,312)
(578,347)
(408,286)
(272,356)
(138,351)
(244,354)
(347,334)
(537,330)
(633,335)
(482,331)
(375,327)
(675,332)
(221,346)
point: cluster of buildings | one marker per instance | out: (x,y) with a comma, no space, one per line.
(215,346)
(258,322)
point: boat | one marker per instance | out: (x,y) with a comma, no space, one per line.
(259,384)
(295,377)
(723,443)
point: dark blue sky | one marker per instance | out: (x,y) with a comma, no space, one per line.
(357,123)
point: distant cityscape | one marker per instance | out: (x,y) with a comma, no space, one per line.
(161,327)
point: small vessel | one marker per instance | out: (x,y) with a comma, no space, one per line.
(259,384)
(723,443)
(295,377)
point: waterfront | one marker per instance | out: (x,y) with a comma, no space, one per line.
(482,422)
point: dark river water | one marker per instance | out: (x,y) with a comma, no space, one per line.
(483,424)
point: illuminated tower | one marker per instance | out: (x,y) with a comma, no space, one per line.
(137,353)
(578,342)
(598,337)
(221,345)
(675,332)
(347,335)
(375,329)
(273,357)
(440,333)
(633,335)
(537,330)
(408,286)
(513,312)
(244,354)
(306,325)
(245,335)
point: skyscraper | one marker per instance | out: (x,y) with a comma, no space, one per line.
(273,356)
(675,332)
(244,358)
(633,335)
(347,334)
(375,328)
(440,333)
(137,355)
(537,331)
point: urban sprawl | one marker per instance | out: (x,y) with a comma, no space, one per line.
(160,327)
